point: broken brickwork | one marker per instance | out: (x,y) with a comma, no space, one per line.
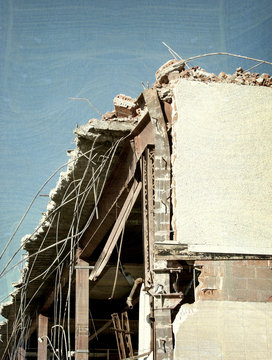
(235,280)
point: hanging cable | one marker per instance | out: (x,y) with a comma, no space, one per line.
(117,265)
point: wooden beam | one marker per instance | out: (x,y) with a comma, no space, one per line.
(115,188)
(42,336)
(82,310)
(114,192)
(117,228)
(100,330)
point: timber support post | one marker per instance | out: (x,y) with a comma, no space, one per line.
(82,309)
(42,337)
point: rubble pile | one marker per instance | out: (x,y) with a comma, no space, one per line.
(174,69)
(127,108)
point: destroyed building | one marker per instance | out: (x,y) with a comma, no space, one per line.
(156,242)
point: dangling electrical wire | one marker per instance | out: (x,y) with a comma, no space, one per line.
(117,265)
(76,236)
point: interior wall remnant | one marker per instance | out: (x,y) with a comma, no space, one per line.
(212,330)
(222,167)
(235,280)
(232,311)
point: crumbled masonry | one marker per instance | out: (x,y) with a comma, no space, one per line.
(196,147)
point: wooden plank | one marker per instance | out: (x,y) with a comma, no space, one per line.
(127,332)
(117,228)
(119,336)
(144,355)
(82,311)
(100,330)
(113,193)
(42,337)
(116,185)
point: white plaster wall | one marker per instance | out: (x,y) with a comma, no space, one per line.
(222,167)
(144,343)
(223,330)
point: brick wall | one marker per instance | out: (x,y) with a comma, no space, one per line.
(235,280)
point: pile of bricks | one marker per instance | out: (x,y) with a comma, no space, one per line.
(173,70)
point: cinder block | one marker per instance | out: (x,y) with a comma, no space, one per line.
(260,263)
(259,284)
(243,271)
(264,273)
(240,283)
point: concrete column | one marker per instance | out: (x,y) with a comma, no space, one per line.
(82,311)
(21,353)
(42,337)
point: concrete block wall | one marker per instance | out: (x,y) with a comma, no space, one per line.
(235,280)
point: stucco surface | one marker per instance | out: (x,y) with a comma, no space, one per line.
(223,330)
(222,167)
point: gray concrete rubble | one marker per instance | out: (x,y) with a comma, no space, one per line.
(174,69)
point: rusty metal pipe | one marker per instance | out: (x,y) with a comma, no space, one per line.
(134,287)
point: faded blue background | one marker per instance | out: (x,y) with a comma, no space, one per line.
(53,50)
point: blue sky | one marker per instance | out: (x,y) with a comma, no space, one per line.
(53,50)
